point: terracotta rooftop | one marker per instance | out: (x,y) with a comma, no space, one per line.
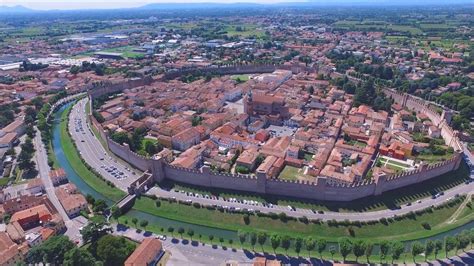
(145,253)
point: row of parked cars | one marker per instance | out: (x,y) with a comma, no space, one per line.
(113,171)
(233,200)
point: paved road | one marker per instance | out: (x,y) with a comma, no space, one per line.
(186,253)
(92,151)
(41,159)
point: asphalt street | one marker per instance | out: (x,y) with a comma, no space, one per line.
(92,151)
(43,168)
(185,252)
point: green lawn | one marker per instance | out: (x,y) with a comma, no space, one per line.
(308,156)
(4,181)
(431,158)
(289,173)
(405,229)
(241,78)
(394,163)
(127,51)
(357,143)
(248,30)
(204,239)
(75,160)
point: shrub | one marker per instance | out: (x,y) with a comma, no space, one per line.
(283,217)
(351,231)
(303,219)
(246,218)
(426,225)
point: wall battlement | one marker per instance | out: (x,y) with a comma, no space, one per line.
(322,189)
(419,105)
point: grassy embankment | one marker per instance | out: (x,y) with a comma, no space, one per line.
(80,168)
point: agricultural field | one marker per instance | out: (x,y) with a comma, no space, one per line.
(127,51)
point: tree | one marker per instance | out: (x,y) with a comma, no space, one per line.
(438,247)
(397,250)
(322,243)
(285,243)
(135,221)
(358,249)
(136,139)
(181,231)
(471,235)
(30,131)
(24,158)
(416,249)
(93,231)
(120,137)
(50,251)
(275,240)
(116,212)
(242,237)
(171,230)
(332,250)
(345,247)
(462,240)
(113,250)
(191,233)
(384,249)
(429,248)
(211,237)
(253,240)
(152,148)
(78,257)
(246,218)
(90,199)
(144,224)
(262,238)
(310,244)
(449,244)
(369,247)
(298,245)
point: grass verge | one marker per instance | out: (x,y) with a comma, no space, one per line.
(71,154)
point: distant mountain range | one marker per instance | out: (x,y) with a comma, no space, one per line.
(201,5)
(15,9)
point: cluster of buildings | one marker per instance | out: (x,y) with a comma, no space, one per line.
(29,216)
(29,220)
(272,122)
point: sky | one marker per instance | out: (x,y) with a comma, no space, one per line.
(92,4)
(98,4)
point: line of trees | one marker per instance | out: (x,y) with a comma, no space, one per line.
(25,157)
(389,251)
